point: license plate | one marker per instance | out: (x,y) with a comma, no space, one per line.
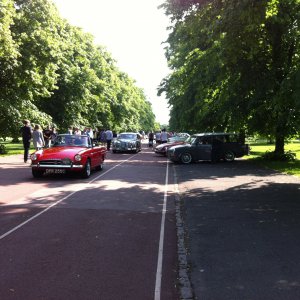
(55,171)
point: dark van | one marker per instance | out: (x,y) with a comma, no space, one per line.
(209,146)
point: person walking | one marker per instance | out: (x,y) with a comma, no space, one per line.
(38,138)
(109,137)
(26,137)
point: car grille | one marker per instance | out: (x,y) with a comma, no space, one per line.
(53,162)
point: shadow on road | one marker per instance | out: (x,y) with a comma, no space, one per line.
(243,228)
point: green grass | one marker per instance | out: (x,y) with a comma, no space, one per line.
(292,168)
(13,148)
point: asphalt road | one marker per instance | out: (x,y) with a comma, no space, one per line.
(68,238)
(242,231)
(101,238)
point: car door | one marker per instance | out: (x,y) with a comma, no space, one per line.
(94,154)
(202,148)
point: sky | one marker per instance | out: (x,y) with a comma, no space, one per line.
(133,31)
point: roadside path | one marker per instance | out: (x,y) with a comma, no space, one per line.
(242,231)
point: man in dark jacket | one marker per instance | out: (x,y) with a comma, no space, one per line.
(26,137)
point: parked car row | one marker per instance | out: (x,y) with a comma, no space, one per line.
(205,146)
(78,154)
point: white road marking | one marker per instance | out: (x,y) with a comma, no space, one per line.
(161,240)
(59,201)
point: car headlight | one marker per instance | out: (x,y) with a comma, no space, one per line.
(33,156)
(77,157)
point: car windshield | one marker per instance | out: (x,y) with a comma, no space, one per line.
(190,139)
(127,136)
(71,140)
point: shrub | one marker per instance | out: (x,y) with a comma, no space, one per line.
(286,156)
(3,149)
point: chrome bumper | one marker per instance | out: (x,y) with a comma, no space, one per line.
(57,166)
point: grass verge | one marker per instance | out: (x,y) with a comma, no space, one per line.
(292,168)
(13,148)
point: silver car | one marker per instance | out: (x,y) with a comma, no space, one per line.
(127,141)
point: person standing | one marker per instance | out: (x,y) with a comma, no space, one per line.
(26,137)
(90,133)
(150,138)
(53,134)
(102,136)
(77,131)
(109,137)
(164,136)
(47,136)
(158,137)
(70,130)
(38,138)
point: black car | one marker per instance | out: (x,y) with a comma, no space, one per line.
(209,146)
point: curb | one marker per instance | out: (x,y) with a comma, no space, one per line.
(185,287)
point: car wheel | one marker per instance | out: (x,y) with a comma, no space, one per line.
(87,169)
(37,173)
(186,158)
(114,151)
(229,156)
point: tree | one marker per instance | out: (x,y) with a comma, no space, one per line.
(235,66)
(52,72)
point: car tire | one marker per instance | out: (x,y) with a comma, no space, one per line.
(114,151)
(229,156)
(186,158)
(87,169)
(37,173)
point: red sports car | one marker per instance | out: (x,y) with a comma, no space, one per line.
(69,153)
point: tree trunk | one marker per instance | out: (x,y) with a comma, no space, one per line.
(242,137)
(279,144)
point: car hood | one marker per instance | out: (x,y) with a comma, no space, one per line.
(170,144)
(59,152)
(179,147)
